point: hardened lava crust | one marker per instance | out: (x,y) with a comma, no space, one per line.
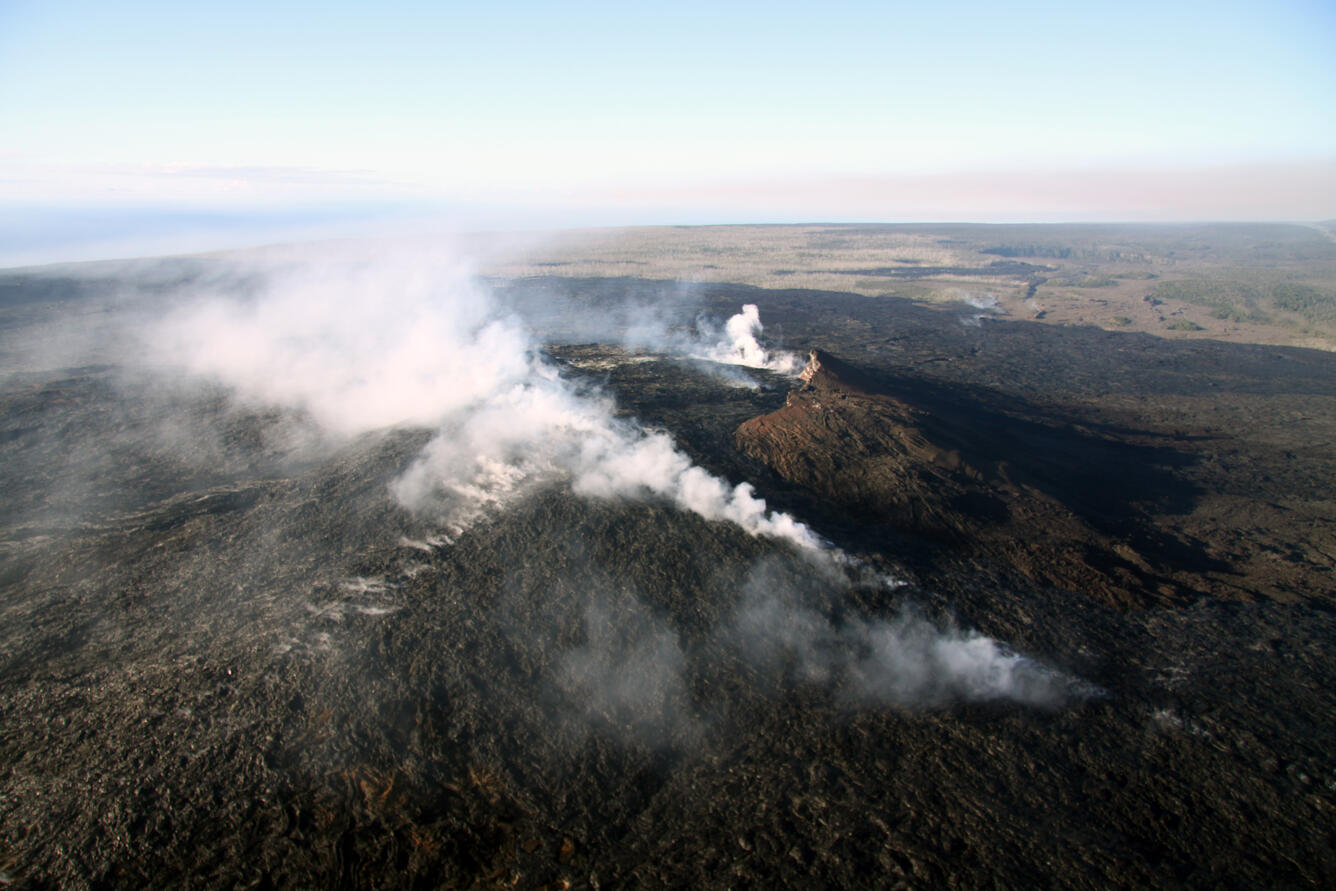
(228,656)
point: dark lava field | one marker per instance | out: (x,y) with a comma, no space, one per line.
(1026,606)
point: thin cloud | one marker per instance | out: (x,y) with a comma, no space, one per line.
(1260,191)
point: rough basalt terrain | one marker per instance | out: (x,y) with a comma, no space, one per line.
(228,658)
(1050,501)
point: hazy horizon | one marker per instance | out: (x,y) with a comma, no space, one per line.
(149,128)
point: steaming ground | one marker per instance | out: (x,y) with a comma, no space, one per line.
(370,344)
(355,573)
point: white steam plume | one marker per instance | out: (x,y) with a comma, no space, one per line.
(541,430)
(909,661)
(737,343)
(740,345)
(905,660)
(361,344)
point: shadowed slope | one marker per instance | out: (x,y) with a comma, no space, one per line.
(1052,502)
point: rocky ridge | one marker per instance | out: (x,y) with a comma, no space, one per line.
(988,483)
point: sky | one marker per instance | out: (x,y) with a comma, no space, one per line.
(133,116)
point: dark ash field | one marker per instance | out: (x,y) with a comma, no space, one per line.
(1025,606)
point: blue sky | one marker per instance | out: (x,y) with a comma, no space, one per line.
(611,113)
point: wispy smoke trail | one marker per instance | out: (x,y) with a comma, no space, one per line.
(980,307)
(910,661)
(905,660)
(629,673)
(359,345)
(362,344)
(541,430)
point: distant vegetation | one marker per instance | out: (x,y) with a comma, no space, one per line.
(1245,301)
(1185,325)
(1239,315)
(1307,301)
(1087,281)
(1067,252)
(1229,295)
(1279,279)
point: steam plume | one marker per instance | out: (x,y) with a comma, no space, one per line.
(360,346)
(728,348)
(740,345)
(629,673)
(904,660)
(363,344)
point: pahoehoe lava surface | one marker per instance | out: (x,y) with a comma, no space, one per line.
(229,658)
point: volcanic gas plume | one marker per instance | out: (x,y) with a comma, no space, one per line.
(372,344)
(346,567)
